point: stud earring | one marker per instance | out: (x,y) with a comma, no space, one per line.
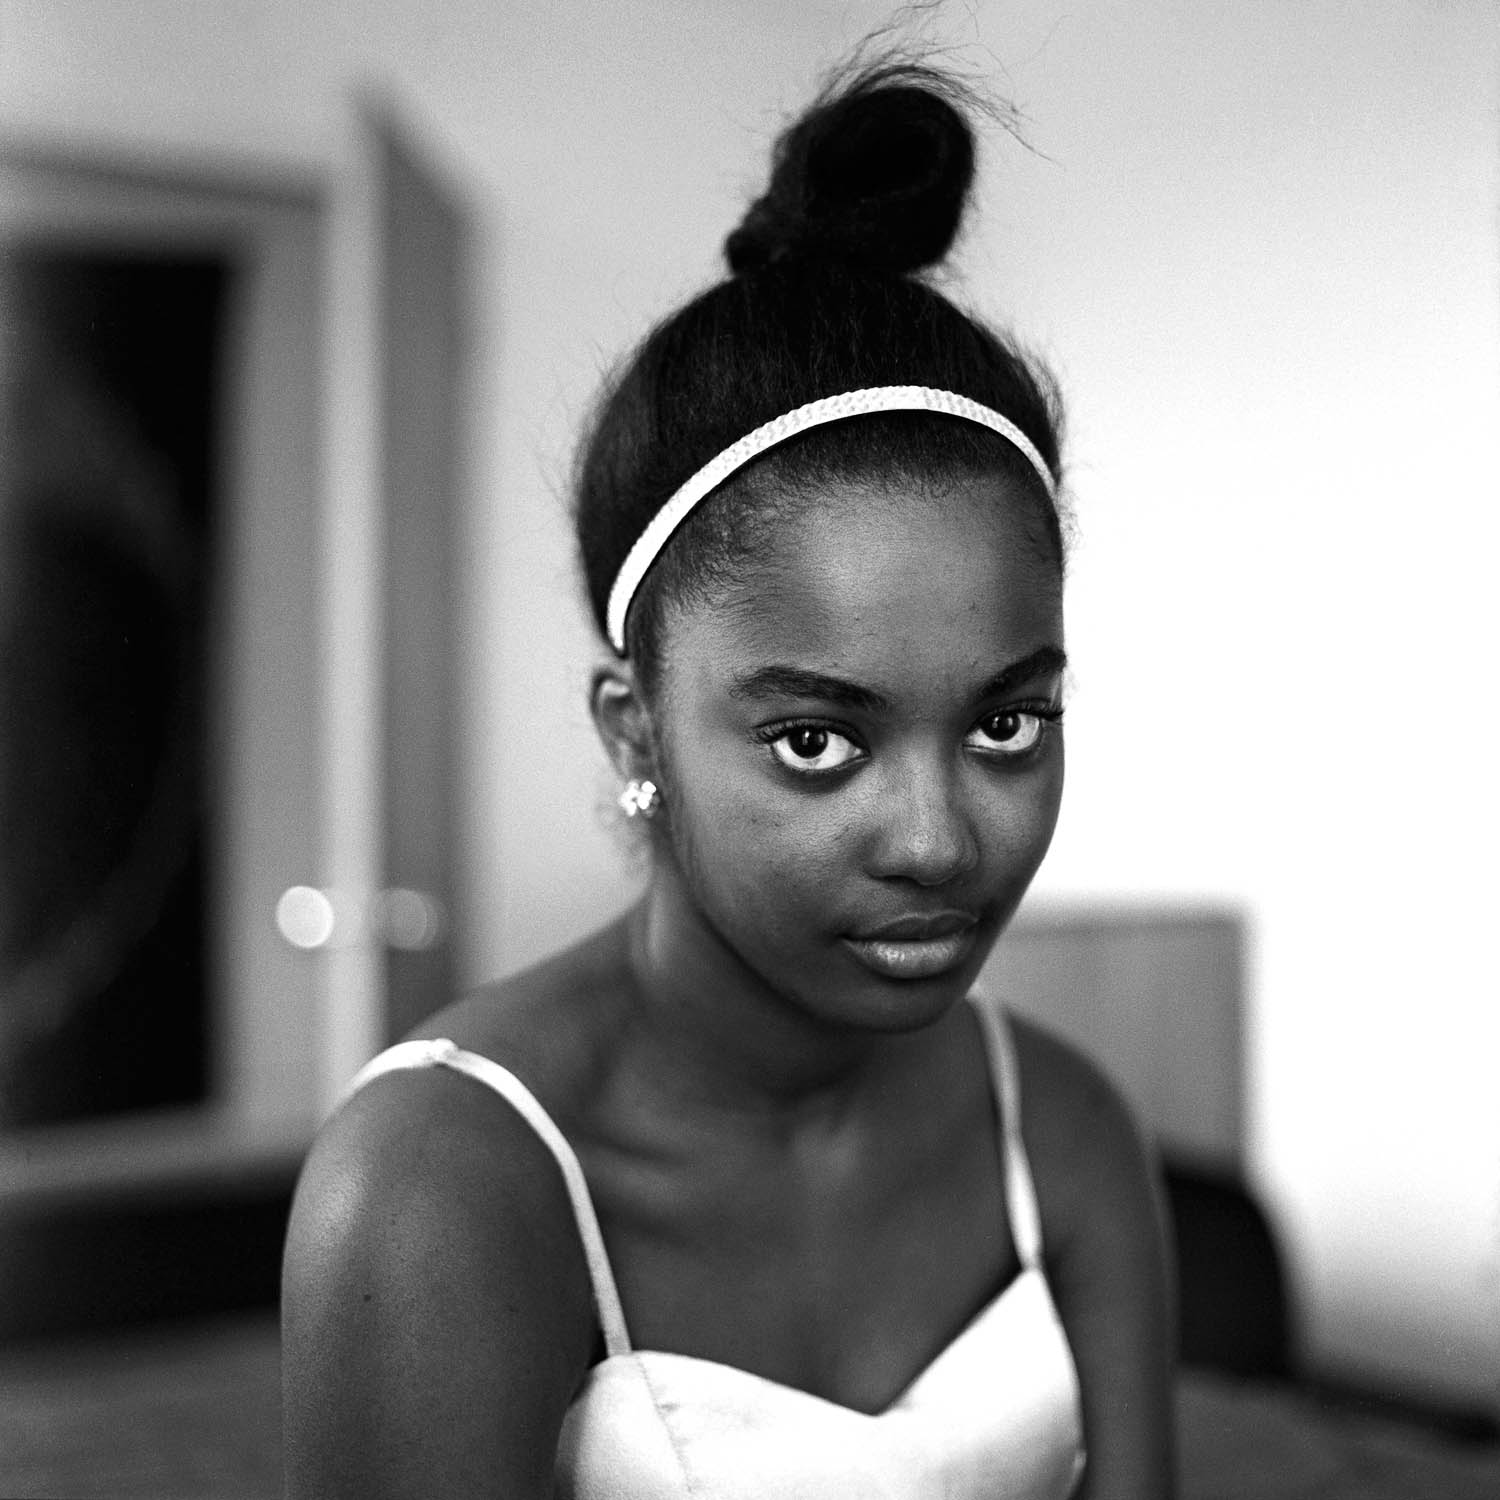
(639,798)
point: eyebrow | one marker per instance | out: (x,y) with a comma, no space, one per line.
(778,681)
(1045,661)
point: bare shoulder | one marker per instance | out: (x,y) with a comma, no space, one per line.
(437,1311)
(1103,1228)
(1088,1152)
(552,1024)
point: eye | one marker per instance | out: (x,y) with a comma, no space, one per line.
(1011,731)
(808,748)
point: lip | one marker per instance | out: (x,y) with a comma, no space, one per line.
(919,927)
(916,947)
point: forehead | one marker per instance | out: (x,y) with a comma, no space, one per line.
(910,588)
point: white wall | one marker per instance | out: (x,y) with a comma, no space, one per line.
(1263,249)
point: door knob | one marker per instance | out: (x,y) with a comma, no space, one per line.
(305,917)
(408,920)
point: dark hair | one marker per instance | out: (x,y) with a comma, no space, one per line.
(868,189)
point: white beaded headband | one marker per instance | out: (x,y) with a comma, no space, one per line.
(659,530)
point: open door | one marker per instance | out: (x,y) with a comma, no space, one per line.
(422,310)
(396,356)
(159,732)
(228,550)
(229,493)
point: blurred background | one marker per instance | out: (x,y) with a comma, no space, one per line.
(301,308)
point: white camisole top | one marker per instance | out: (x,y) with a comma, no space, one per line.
(995,1416)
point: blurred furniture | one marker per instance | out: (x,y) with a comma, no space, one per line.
(1154,992)
(1233,1302)
(1250,1426)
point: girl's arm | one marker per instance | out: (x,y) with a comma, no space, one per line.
(436,1309)
(1104,1232)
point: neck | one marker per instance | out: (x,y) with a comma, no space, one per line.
(719,1036)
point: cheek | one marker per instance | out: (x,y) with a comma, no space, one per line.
(1034,816)
(757,845)
(754,862)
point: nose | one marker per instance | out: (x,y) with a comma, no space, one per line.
(924,831)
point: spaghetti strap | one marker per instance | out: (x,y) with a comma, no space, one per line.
(1020,1190)
(443,1053)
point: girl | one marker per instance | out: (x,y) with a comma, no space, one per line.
(749,1195)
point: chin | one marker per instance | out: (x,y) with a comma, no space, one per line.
(901,1005)
(915,1015)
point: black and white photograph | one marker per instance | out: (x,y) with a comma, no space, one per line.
(747,750)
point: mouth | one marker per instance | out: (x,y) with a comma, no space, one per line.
(916,947)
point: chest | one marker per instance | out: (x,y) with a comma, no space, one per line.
(841,1270)
(995,1417)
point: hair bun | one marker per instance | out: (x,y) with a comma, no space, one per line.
(875,174)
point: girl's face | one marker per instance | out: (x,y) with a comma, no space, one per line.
(860,748)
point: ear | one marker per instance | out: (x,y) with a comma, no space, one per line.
(624,721)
